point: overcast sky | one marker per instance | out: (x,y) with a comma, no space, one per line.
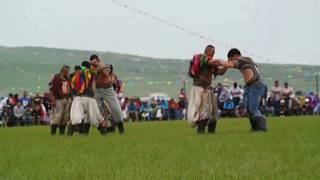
(284,31)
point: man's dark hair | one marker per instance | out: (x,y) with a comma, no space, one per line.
(86,64)
(209,46)
(276,81)
(233,52)
(64,67)
(93,57)
(235,84)
(77,68)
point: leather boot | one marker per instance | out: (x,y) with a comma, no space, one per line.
(212,126)
(253,124)
(261,123)
(62,129)
(120,127)
(102,129)
(201,126)
(86,128)
(70,130)
(53,128)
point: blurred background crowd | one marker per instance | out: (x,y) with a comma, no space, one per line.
(35,109)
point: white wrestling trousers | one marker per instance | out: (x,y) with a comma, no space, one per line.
(85,109)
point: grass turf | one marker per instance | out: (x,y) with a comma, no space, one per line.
(166,150)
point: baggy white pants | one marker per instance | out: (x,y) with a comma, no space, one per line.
(85,108)
(197,107)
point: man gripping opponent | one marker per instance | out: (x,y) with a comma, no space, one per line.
(255,89)
(202,107)
(105,91)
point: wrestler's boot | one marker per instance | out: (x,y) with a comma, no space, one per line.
(62,129)
(201,126)
(261,123)
(71,129)
(253,123)
(102,130)
(120,127)
(79,128)
(212,126)
(86,127)
(112,128)
(102,127)
(53,128)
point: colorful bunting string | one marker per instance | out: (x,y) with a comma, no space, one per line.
(185,30)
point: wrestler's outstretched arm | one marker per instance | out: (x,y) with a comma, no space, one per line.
(222,71)
(225,64)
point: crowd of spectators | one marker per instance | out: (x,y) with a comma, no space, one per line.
(26,110)
(161,109)
(280,101)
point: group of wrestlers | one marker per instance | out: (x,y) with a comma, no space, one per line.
(85,98)
(202,107)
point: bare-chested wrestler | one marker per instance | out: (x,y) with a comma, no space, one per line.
(105,91)
(254,88)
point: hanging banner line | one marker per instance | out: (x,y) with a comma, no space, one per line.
(183,29)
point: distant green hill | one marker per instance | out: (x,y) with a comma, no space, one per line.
(31,68)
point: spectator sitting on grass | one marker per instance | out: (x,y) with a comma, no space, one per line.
(18,112)
(165,109)
(241,110)
(6,114)
(39,114)
(27,116)
(269,109)
(132,111)
(316,110)
(181,109)
(236,94)
(307,108)
(173,106)
(224,95)
(158,112)
(295,107)
(313,100)
(145,111)
(228,108)
(154,106)
(37,99)
(282,108)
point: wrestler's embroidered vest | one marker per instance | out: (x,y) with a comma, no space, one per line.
(199,65)
(81,82)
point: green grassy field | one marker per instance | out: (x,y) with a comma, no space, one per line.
(166,150)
